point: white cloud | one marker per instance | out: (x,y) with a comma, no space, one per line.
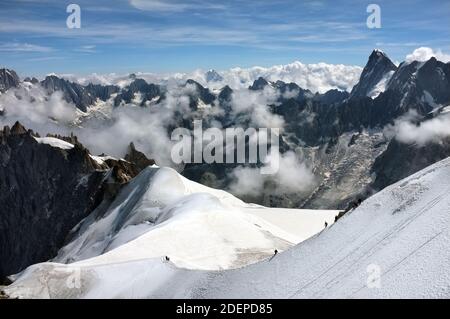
(293,176)
(172,6)
(423,54)
(23,47)
(156,5)
(407,131)
(319,77)
(87,49)
(33,108)
(255,105)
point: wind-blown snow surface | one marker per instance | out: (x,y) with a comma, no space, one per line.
(401,233)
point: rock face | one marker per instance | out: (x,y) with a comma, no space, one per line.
(8,79)
(72,92)
(138,158)
(402,160)
(81,96)
(377,68)
(213,76)
(146,91)
(259,84)
(45,191)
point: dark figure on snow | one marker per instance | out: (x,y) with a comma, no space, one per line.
(275,252)
(326,224)
(166,258)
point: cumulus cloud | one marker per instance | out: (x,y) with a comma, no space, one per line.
(33,108)
(255,104)
(409,129)
(423,54)
(292,176)
(320,77)
(104,129)
(147,129)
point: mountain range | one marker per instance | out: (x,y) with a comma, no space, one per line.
(355,144)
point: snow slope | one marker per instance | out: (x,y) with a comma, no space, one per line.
(380,87)
(161,213)
(395,245)
(55,142)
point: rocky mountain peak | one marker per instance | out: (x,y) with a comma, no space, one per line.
(259,84)
(8,79)
(376,73)
(18,129)
(138,158)
(213,76)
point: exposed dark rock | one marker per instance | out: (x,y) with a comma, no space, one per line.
(31,80)
(332,97)
(401,160)
(72,92)
(138,158)
(200,93)
(45,191)
(103,92)
(8,79)
(213,76)
(258,84)
(378,66)
(148,92)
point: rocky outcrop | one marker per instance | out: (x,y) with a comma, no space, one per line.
(147,92)
(71,92)
(401,160)
(46,190)
(213,76)
(8,79)
(81,96)
(259,84)
(377,68)
(31,80)
(138,158)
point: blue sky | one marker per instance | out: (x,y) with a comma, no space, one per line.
(165,36)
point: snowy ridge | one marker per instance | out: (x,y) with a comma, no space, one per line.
(54,142)
(395,245)
(162,213)
(402,233)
